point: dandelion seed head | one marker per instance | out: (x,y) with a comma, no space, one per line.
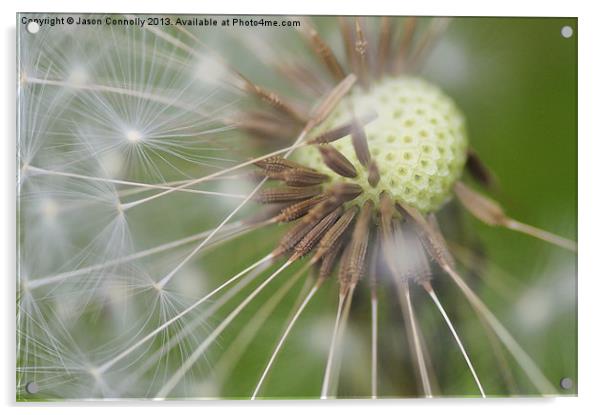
(133,136)
(418,142)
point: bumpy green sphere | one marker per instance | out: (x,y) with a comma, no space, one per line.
(418,142)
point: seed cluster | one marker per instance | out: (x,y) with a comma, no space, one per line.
(329,224)
(382,158)
(417,141)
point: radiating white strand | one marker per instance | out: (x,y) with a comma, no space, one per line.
(57,278)
(524,360)
(374,360)
(200,246)
(458,341)
(133,191)
(320,113)
(541,234)
(283,339)
(335,375)
(129,183)
(230,358)
(287,151)
(104,367)
(191,360)
(424,376)
(192,326)
(168,277)
(211,176)
(333,343)
(113,89)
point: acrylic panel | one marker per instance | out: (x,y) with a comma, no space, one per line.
(295,207)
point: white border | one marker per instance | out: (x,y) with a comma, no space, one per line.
(590,209)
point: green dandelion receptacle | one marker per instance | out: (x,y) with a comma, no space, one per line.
(418,140)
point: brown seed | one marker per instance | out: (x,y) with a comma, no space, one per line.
(482,207)
(360,144)
(333,135)
(290,239)
(304,177)
(335,233)
(299,177)
(330,259)
(434,244)
(347,35)
(344,270)
(444,250)
(332,99)
(343,130)
(354,260)
(276,164)
(373,174)
(315,234)
(287,194)
(322,208)
(325,54)
(345,191)
(361,50)
(300,229)
(383,55)
(299,209)
(274,100)
(386,213)
(336,161)
(406,42)
(478,170)
(337,195)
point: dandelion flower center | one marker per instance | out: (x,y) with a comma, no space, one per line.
(418,142)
